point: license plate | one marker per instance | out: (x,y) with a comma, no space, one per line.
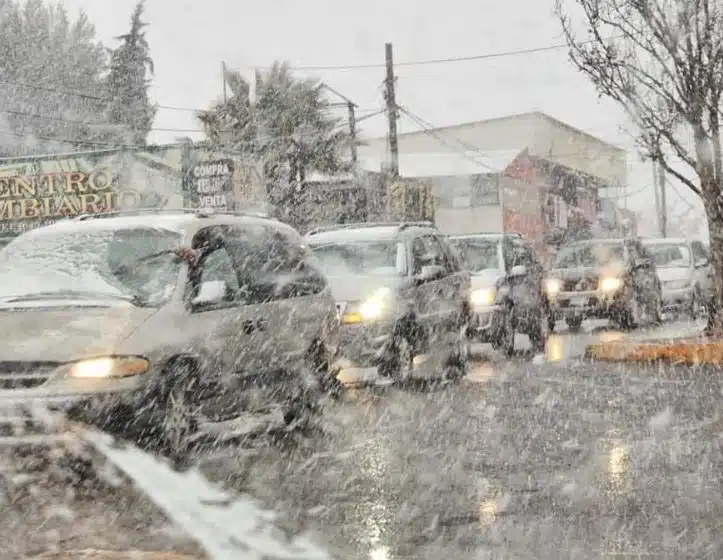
(578,301)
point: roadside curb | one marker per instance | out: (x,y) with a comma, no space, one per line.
(688,351)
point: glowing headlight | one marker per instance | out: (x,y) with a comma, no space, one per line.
(372,308)
(610,284)
(99,368)
(552,286)
(484,296)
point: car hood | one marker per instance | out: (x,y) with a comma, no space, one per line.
(64,334)
(673,273)
(356,288)
(485,278)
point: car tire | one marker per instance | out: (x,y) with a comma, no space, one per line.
(456,365)
(397,360)
(318,361)
(504,340)
(539,331)
(178,401)
(696,309)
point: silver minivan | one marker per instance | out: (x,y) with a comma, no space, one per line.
(683,267)
(149,324)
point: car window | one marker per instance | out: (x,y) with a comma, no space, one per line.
(478,254)
(589,255)
(521,255)
(139,263)
(218,266)
(699,251)
(369,258)
(436,254)
(673,255)
(419,251)
(261,263)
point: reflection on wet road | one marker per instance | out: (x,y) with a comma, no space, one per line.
(525,459)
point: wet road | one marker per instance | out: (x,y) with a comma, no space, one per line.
(528,457)
(523,459)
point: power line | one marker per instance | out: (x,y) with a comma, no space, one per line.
(427,129)
(486,56)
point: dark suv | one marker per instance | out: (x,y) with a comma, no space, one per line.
(400,293)
(612,279)
(507,288)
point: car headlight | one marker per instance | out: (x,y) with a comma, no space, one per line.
(677,284)
(483,296)
(103,368)
(610,284)
(552,286)
(374,307)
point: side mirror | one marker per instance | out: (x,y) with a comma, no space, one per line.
(700,263)
(518,270)
(430,272)
(210,292)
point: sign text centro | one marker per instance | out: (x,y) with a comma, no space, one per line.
(58,195)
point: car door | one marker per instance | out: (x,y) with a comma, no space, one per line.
(524,289)
(273,304)
(645,275)
(702,272)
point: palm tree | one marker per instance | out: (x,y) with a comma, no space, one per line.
(286,125)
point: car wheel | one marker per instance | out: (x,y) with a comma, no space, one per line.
(504,341)
(574,323)
(180,410)
(540,331)
(397,362)
(318,361)
(457,363)
(696,309)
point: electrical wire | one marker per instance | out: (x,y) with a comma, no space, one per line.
(486,56)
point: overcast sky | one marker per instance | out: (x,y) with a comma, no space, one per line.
(190,38)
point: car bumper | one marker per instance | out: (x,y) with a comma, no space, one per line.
(487,322)
(678,298)
(592,305)
(362,345)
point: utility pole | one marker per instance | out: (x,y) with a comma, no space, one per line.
(223,76)
(663,203)
(656,191)
(352,134)
(391,112)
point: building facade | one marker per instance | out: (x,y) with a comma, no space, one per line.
(527,173)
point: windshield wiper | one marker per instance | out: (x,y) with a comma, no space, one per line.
(74,294)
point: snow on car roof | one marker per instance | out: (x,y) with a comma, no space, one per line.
(354,235)
(666,241)
(180,222)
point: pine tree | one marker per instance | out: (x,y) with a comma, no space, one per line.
(52,72)
(128,81)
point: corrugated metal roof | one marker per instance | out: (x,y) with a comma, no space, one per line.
(447,164)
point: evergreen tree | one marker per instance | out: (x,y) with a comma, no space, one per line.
(51,80)
(128,82)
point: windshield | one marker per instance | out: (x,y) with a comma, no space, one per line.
(477,254)
(589,255)
(670,256)
(132,264)
(375,258)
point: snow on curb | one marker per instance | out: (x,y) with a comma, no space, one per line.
(683,351)
(225,527)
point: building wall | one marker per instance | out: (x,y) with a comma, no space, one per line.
(469,220)
(542,135)
(573,148)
